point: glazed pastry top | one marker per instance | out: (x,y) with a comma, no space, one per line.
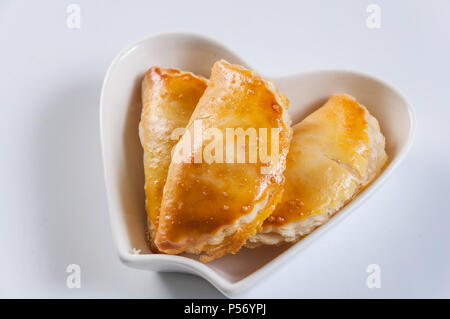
(214,206)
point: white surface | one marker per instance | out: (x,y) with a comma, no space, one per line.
(53,206)
(120,113)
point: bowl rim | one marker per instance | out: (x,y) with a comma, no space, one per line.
(227,287)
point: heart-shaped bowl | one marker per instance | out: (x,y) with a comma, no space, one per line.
(120,110)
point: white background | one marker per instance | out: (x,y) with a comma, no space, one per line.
(52,195)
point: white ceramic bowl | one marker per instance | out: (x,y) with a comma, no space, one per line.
(122,154)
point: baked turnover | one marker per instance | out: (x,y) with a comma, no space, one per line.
(169,97)
(212,207)
(335,152)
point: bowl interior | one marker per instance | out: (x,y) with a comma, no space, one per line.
(122,152)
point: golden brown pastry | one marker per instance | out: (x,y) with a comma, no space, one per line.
(211,208)
(334,153)
(169,97)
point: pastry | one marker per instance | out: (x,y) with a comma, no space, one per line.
(169,97)
(335,152)
(211,206)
